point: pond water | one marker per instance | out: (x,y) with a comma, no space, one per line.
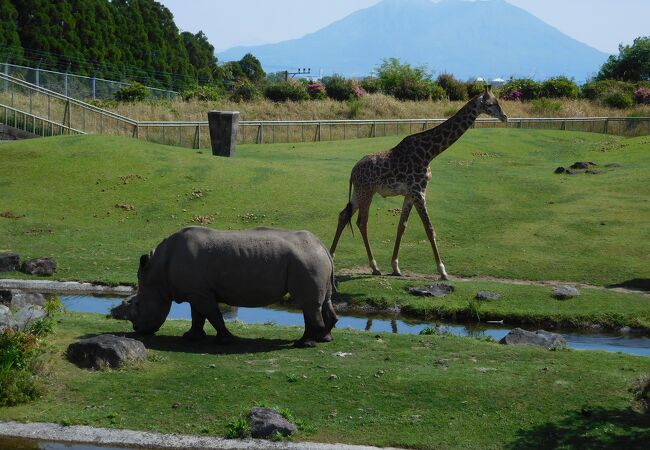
(612,342)
(28,444)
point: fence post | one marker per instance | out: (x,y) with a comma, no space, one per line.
(136,131)
(197,137)
(607,126)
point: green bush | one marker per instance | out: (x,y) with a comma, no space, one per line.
(620,100)
(560,87)
(405,82)
(529,89)
(339,88)
(371,85)
(455,89)
(598,90)
(201,93)
(133,92)
(244,91)
(286,90)
(474,88)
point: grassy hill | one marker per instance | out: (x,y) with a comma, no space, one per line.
(96,203)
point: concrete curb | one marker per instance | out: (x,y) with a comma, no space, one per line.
(139,439)
(71,287)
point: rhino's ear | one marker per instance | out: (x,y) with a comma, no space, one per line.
(144,259)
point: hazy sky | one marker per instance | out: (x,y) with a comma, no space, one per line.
(602,24)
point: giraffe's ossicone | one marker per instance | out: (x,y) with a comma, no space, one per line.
(404,170)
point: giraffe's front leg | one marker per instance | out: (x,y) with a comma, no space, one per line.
(403,220)
(421,206)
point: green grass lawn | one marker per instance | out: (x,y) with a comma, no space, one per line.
(497,206)
(96,203)
(399,390)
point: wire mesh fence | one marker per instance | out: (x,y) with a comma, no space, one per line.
(76,86)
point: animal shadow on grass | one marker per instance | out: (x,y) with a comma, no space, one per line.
(635,284)
(589,428)
(209,345)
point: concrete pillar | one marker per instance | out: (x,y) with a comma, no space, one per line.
(223,132)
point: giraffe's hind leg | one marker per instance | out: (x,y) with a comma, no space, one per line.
(404,217)
(421,206)
(345,217)
(362,223)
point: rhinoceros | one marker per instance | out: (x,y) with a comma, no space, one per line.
(247,268)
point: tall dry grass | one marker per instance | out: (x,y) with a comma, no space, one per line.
(375,106)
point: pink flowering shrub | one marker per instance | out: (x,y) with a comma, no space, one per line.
(359,91)
(512,95)
(642,95)
(316,91)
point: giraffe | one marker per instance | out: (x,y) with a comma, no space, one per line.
(404,170)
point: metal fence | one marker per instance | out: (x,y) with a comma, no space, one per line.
(79,116)
(77,86)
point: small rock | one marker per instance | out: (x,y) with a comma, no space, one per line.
(539,338)
(265,422)
(39,266)
(20,299)
(9,262)
(434,290)
(28,315)
(106,350)
(560,170)
(565,292)
(342,354)
(487,295)
(333,377)
(486,369)
(579,165)
(572,172)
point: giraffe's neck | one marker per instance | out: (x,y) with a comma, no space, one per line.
(438,139)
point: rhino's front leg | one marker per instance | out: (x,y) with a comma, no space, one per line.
(208,308)
(196,332)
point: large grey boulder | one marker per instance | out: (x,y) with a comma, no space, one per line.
(540,338)
(9,262)
(487,295)
(265,422)
(39,266)
(433,290)
(106,351)
(20,299)
(27,315)
(6,318)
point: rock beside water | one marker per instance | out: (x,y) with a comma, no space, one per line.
(540,338)
(565,292)
(434,290)
(39,266)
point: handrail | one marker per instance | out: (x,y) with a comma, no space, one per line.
(42,119)
(65,98)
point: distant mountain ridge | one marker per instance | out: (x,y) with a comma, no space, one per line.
(466,38)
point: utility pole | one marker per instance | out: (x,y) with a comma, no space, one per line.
(299,72)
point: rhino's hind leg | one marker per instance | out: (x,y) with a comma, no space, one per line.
(329,319)
(315,330)
(196,332)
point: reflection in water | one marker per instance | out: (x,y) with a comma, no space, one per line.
(627,343)
(28,444)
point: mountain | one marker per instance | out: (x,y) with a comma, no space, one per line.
(467,38)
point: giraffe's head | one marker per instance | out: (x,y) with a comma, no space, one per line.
(488,104)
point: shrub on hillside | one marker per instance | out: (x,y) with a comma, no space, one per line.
(133,92)
(292,90)
(474,88)
(371,85)
(454,89)
(201,93)
(405,82)
(598,90)
(529,89)
(316,91)
(642,95)
(418,90)
(339,88)
(244,91)
(559,87)
(620,100)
